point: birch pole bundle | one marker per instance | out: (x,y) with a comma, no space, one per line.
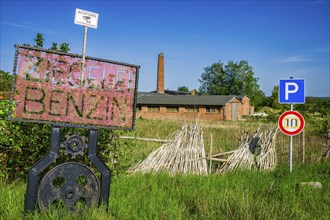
(255,152)
(267,159)
(185,153)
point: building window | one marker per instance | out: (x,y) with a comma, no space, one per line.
(172,109)
(153,109)
(212,110)
(192,109)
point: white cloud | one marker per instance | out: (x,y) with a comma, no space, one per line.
(30,26)
(305,72)
(292,59)
(321,50)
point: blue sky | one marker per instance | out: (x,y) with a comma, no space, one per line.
(279,39)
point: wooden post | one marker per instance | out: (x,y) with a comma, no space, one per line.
(303,146)
(211,144)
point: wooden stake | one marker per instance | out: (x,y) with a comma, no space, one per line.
(303,147)
(211,144)
(144,139)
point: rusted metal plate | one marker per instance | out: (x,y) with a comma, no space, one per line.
(70,186)
(47,89)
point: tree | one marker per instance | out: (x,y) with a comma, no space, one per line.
(235,78)
(39,41)
(5,81)
(213,80)
(274,98)
(54,46)
(183,89)
(64,47)
(5,85)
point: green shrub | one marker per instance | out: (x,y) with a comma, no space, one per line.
(23,144)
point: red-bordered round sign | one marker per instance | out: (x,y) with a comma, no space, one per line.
(291,123)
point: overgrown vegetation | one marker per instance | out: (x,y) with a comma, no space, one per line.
(239,195)
(39,43)
(23,144)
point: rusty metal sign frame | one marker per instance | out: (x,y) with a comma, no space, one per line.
(67,124)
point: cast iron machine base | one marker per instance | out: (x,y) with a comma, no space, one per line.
(68,184)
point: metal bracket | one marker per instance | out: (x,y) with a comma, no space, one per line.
(43,163)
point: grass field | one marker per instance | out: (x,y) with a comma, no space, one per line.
(238,195)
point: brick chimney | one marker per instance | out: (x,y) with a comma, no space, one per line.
(160,74)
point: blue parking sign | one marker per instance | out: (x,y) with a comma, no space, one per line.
(291,91)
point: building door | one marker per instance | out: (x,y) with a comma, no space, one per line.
(234,111)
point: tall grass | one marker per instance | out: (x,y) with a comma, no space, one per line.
(238,195)
(226,135)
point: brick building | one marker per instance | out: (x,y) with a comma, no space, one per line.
(247,108)
(175,105)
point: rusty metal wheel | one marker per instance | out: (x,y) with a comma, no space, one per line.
(70,186)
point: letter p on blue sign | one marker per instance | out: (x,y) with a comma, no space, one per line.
(292,91)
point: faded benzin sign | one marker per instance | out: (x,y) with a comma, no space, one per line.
(47,89)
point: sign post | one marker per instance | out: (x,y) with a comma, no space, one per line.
(291,91)
(83,58)
(86,19)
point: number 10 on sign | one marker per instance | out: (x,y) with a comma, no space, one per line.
(291,123)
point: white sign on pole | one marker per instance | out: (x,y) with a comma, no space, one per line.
(86,18)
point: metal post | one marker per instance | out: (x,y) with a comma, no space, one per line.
(291,140)
(100,166)
(36,169)
(83,58)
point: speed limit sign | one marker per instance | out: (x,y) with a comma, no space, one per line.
(291,123)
